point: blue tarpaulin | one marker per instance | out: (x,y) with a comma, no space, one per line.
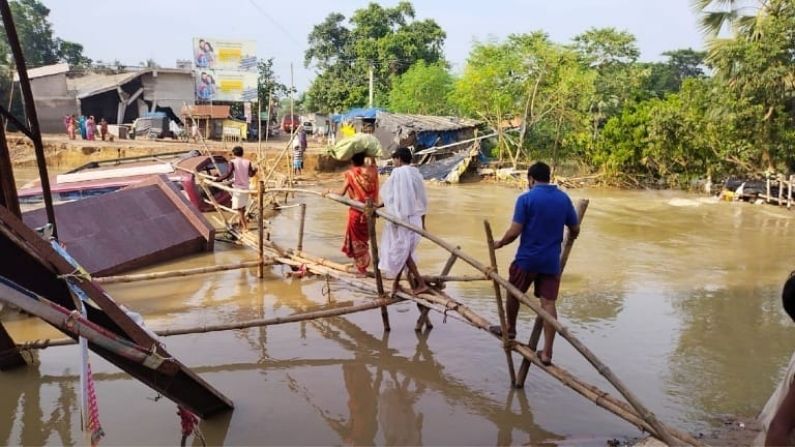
(366,113)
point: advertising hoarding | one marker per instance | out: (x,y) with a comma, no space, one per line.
(219,54)
(226,85)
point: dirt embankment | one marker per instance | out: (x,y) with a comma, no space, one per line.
(62,153)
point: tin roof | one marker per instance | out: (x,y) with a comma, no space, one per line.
(141,225)
(95,83)
(47,70)
(204,111)
(421,123)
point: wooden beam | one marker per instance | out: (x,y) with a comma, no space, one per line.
(8,187)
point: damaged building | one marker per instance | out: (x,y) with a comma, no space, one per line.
(119,97)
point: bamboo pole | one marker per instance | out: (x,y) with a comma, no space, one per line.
(439,298)
(506,343)
(659,429)
(214,202)
(379,280)
(459,278)
(535,335)
(780,190)
(174,273)
(599,397)
(767,188)
(449,264)
(789,191)
(301,224)
(336,311)
(261,228)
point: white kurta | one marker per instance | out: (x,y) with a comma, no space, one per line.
(404,197)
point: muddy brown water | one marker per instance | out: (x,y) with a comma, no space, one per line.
(676,293)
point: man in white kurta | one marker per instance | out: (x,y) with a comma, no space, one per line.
(404,197)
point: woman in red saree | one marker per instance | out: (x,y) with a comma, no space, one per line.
(361,184)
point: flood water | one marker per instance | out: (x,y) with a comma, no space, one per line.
(678,294)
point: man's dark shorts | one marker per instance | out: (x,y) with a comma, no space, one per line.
(546,286)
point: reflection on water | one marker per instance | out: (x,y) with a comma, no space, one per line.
(676,293)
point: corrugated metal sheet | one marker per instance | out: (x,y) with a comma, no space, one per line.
(95,83)
(420,123)
(47,70)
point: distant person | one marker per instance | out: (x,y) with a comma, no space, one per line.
(539,218)
(91,128)
(404,197)
(71,127)
(82,124)
(194,131)
(361,184)
(103,128)
(778,416)
(298,156)
(242,170)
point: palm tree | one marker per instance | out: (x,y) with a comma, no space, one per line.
(736,15)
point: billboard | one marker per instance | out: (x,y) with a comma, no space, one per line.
(226,85)
(217,54)
(225,70)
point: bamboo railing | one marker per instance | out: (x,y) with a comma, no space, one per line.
(632,410)
(657,428)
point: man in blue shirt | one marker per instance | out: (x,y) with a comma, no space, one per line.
(539,217)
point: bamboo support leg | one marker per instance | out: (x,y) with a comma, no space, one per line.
(175,273)
(780,192)
(215,204)
(789,192)
(767,188)
(379,280)
(261,229)
(506,343)
(449,264)
(300,245)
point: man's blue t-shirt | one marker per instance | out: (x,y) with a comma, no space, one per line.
(543,211)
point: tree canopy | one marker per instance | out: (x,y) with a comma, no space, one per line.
(387,40)
(423,89)
(39,44)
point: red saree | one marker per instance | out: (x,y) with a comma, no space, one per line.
(362,184)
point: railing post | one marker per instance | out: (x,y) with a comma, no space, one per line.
(379,280)
(261,228)
(300,245)
(506,343)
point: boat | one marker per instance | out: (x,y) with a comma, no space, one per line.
(102,177)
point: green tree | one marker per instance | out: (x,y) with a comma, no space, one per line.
(539,85)
(423,89)
(667,77)
(36,37)
(613,54)
(385,40)
(757,67)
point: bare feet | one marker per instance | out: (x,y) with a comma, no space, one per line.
(545,358)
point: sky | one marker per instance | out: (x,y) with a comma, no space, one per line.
(133,32)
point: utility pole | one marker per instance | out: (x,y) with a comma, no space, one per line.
(371,85)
